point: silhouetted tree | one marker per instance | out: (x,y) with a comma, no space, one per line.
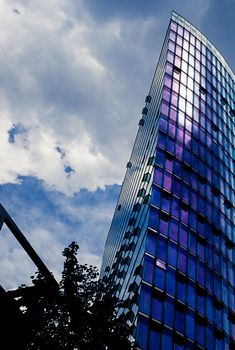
(81,314)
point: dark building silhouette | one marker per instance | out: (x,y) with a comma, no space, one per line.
(170,248)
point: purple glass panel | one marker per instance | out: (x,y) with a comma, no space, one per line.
(169,68)
(163,227)
(166,203)
(172,129)
(166,94)
(175,207)
(187,138)
(161,140)
(194,199)
(174,226)
(170,145)
(178,150)
(176,187)
(183,236)
(165,108)
(168,80)
(167,181)
(180,134)
(169,164)
(174,99)
(185,193)
(158,175)
(173,114)
(182,261)
(217,264)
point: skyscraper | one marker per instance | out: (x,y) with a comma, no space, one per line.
(170,248)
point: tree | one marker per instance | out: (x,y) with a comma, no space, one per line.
(79,314)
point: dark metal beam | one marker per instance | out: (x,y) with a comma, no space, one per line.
(5,218)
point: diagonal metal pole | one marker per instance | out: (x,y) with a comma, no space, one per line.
(6,218)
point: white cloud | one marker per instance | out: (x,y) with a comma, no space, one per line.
(56,79)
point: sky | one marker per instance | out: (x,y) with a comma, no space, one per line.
(73,80)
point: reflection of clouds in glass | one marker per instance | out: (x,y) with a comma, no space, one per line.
(190,96)
(189,109)
(181,117)
(182,104)
(190,84)
(188,124)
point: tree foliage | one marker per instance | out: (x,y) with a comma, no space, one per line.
(79,314)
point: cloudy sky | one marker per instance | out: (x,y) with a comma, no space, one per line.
(73,78)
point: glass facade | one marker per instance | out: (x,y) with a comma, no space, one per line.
(170,249)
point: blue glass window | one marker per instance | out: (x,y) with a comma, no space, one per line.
(157,309)
(166,342)
(181,291)
(142,332)
(166,202)
(151,243)
(154,340)
(169,313)
(156,196)
(159,279)
(161,248)
(153,218)
(180,321)
(148,269)
(158,175)
(175,207)
(160,157)
(172,254)
(190,324)
(174,229)
(191,296)
(182,261)
(145,299)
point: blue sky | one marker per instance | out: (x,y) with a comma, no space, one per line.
(73,79)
